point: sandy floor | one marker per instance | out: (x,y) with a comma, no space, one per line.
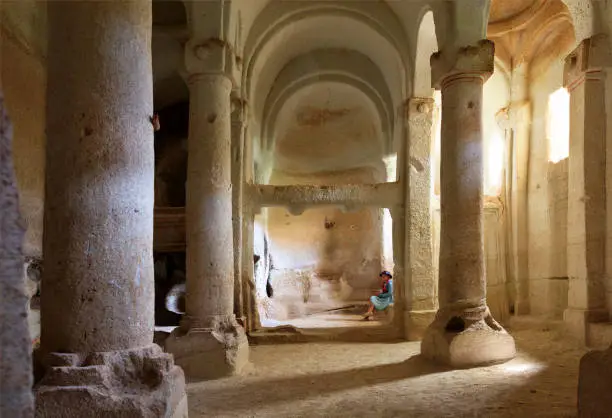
(392,380)
(327,320)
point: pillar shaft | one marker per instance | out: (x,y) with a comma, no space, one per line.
(209,343)
(517,190)
(210,263)
(97,354)
(98,214)
(464,333)
(421,289)
(462,279)
(15,343)
(586,233)
(238,130)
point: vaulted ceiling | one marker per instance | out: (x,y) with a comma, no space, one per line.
(533,32)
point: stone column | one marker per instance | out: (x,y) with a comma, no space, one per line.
(586,213)
(463,334)
(520,123)
(238,127)
(97,350)
(15,343)
(209,343)
(421,289)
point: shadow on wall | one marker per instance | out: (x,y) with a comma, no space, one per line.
(171,156)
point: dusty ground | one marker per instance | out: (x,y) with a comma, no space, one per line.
(392,380)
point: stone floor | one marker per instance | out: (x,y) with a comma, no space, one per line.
(392,380)
(327,320)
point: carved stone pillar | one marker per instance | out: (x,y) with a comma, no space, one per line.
(238,130)
(464,333)
(586,214)
(209,343)
(97,350)
(520,123)
(15,358)
(421,290)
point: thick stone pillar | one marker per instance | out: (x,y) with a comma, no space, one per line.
(97,351)
(585,80)
(238,119)
(209,343)
(15,343)
(463,334)
(421,289)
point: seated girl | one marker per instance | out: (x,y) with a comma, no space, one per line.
(381,301)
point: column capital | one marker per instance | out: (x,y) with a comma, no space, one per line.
(590,58)
(475,60)
(419,105)
(239,109)
(206,56)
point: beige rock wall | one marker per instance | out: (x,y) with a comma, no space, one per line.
(23,81)
(547,199)
(325,256)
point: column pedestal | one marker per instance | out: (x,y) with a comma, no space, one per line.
(142,382)
(97,357)
(209,342)
(463,334)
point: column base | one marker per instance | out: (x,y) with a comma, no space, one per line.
(134,383)
(416,323)
(464,338)
(595,384)
(210,353)
(577,321)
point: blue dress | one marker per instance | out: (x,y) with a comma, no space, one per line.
(384,298)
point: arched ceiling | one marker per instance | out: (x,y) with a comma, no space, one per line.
(534,32)
(325,127)
(278,36)
(331,65)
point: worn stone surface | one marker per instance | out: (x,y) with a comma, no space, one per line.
(464,333)
(215,352)
(96,355)
(15,346)
(209,343)
(143,382)
(586,214)
(595,384)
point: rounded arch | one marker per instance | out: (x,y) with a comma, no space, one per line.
(353,69)
(283,32)
(427,44)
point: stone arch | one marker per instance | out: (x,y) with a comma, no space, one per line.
(378,35)
(427,44)
(354,69)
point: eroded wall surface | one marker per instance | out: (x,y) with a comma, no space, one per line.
(547,206)
(23,81)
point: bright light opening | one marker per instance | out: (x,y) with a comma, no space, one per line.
(494,162)
(558,125)
(391,167)
(437,142)
(387,231)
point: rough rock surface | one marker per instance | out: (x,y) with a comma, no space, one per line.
(594,384)
(15,347)
(135,383)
